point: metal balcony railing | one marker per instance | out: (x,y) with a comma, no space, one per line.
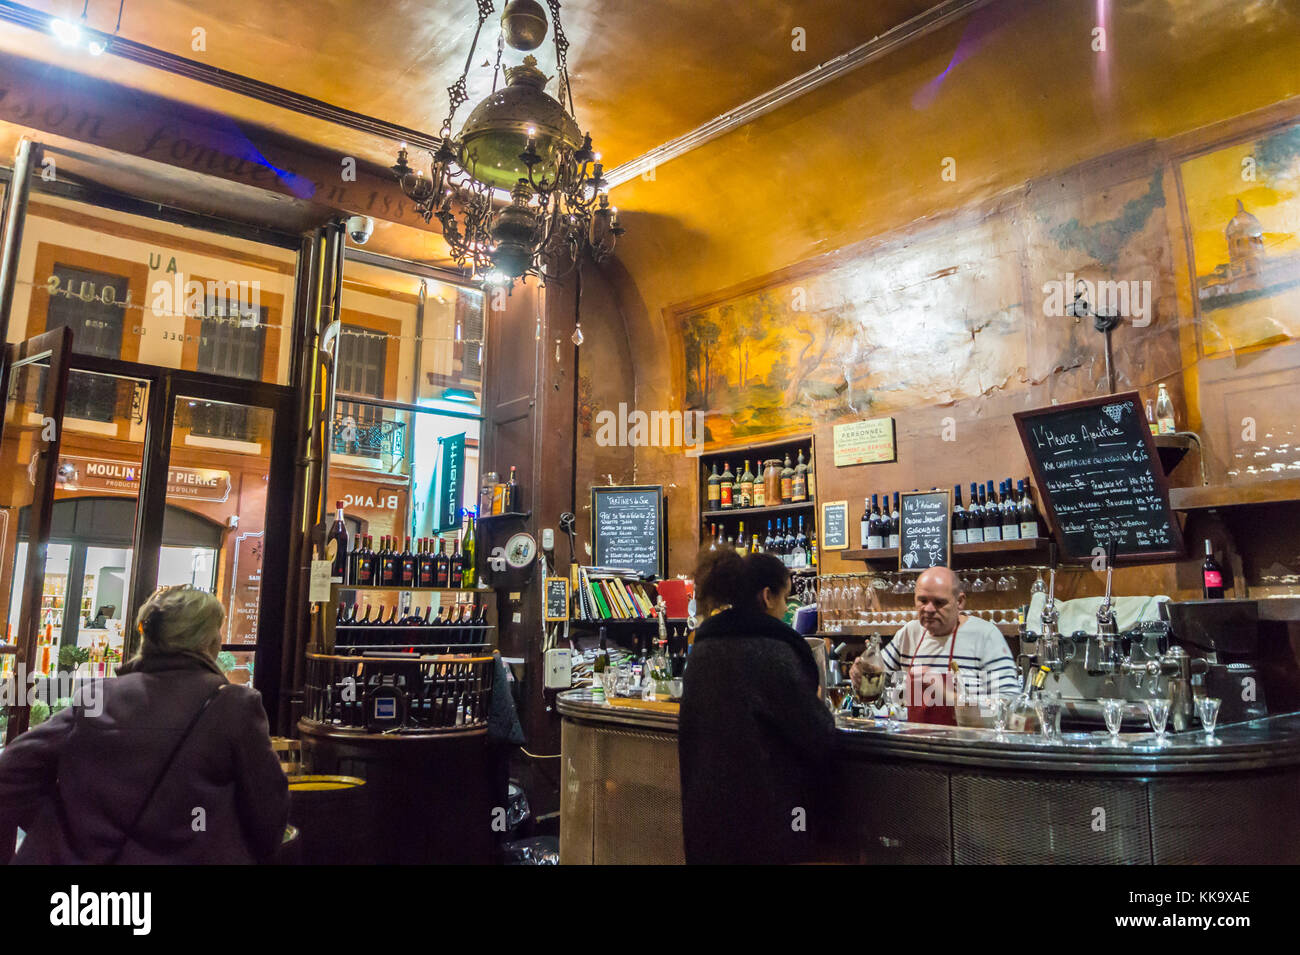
(370,439)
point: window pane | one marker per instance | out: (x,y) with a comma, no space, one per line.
(144,290)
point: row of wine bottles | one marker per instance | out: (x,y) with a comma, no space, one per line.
(460,615)
(1008,513)
(408,626)
(774,483)
(361,565)
(795,548)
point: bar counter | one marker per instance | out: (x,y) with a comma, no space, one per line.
(942,795)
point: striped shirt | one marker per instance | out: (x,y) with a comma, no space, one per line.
(986,667)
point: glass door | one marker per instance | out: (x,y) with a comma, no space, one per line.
(227,503)
(34,381)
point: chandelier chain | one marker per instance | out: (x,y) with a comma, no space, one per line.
(561,53)
(457,95)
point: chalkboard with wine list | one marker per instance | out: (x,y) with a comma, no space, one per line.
(925,530)
(835,525)
(1100,479)
(628,528)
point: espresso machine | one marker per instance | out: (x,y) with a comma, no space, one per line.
(1135,665)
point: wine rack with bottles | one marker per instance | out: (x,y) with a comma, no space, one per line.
(762,495)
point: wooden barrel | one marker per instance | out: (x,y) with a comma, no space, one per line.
(333,816)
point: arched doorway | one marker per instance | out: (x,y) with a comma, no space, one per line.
(88,564)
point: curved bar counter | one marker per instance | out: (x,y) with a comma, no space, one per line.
(935,794)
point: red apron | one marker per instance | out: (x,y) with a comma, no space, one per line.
(940,715)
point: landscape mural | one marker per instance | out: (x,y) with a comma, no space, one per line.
(1243,211)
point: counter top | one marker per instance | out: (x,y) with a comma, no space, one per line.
(1270,742)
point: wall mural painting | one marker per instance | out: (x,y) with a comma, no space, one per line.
(926,318)
(1112,243)
(1243,209)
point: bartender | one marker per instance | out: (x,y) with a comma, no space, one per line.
(948,656)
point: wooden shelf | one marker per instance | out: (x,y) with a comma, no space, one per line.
(1172,448)
(1012,548)
(412,590)
(518,515)
(1282,491)
(760,511)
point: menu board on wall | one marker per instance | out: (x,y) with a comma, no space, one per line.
(1100,478)
(924,530)
(557,599)
(628,528)
(864,442)
(835,525)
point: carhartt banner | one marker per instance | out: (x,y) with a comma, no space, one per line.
(451,471)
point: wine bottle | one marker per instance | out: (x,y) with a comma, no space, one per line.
(408,566)
(715,488)
(992,515)
(1211,575)
(958,517)
(726,487)
(389,564)
(1010,513)
(974,517)
(787,481)
(799,486)
(424,564)
(893,525)
(800,556)
(864,529)
(336,547)
(601,663)
(875,539)
(457,568)
(760,485)
(746,487)
(740,539)
(767,541)
(1165,423)
(812,478)
(470,576)
(1028,514)
(442,566)
(513,501)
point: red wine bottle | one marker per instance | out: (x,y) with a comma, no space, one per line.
(1211,575)
(336,547)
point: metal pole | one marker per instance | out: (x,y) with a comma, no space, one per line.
(27,156)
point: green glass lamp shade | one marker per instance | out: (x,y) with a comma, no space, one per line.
(496,132)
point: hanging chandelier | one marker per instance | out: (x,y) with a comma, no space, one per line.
(521,143)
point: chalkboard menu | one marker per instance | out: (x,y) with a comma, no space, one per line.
(924,529)
(628,528)
(835,525)
(557,599)
(1100,478)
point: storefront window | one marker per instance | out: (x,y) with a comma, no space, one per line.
(406,341)
(150,291)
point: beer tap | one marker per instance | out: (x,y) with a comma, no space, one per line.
(1101,656)
(1050,657)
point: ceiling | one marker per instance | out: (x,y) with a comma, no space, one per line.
(639,80)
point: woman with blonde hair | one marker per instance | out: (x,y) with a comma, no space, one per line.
(173,765)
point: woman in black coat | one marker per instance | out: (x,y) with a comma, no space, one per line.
(168,763)
(754,737)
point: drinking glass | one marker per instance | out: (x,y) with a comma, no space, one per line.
(1001,714)
(1158,713)
(608,681)
(1113,710)
(1049,715)
(894,683)
(1207,707)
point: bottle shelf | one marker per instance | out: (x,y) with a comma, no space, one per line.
(766,509)
(1281,491)
(398,588)
(981,549)
(414,629)
(517,515)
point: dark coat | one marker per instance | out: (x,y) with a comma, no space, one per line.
(754,743)
(100,769)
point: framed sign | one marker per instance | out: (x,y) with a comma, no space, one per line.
(1099,477)
(557,599)
(924,530)
(835,525)
(865,442)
